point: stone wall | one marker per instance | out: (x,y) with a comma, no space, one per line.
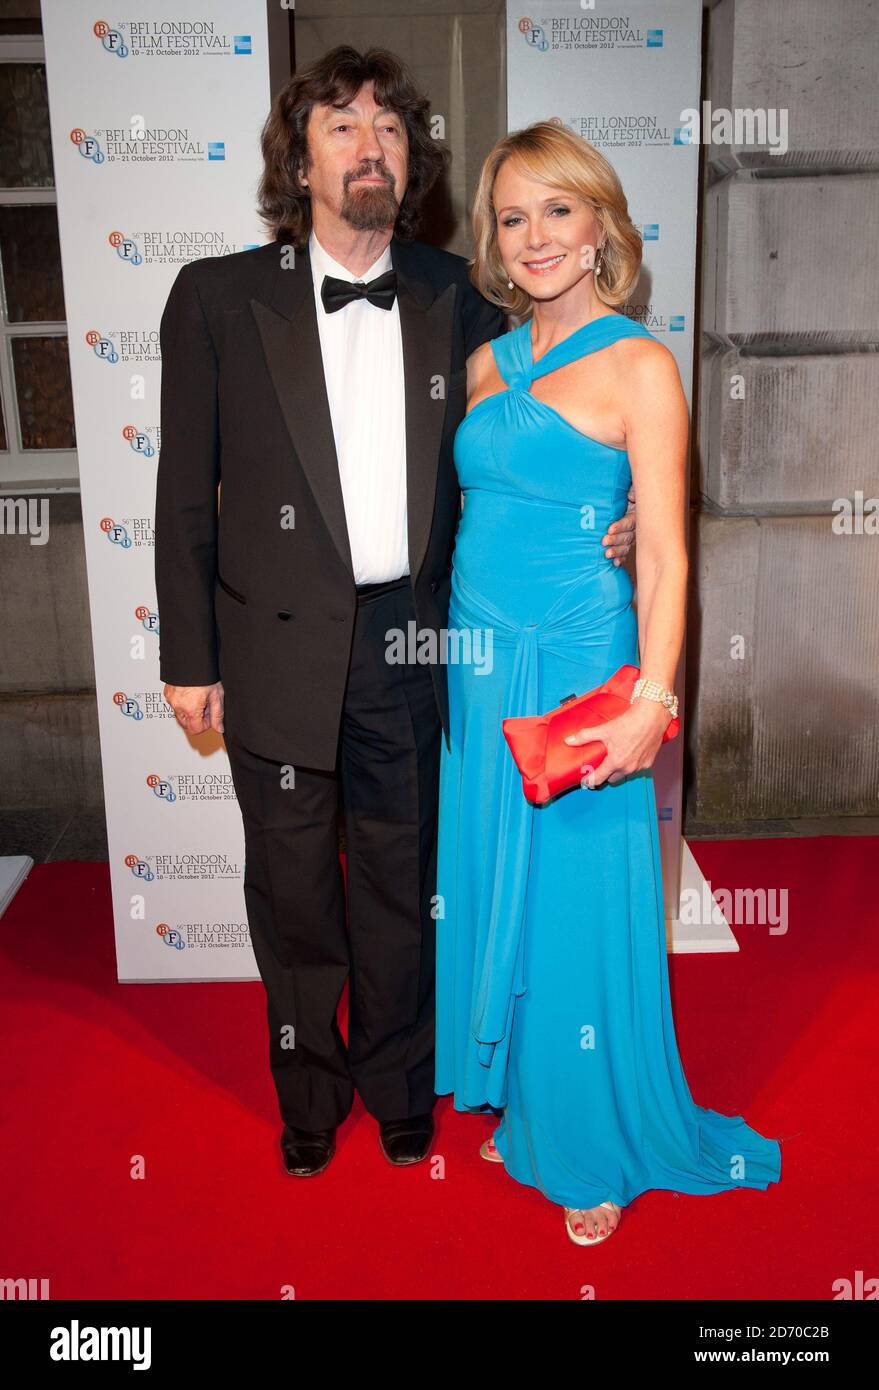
(49,745)
(783,645)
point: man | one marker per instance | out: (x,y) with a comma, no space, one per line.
(324,388)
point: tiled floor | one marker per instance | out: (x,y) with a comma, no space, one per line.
(80,832)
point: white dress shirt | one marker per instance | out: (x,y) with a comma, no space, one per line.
(362,349)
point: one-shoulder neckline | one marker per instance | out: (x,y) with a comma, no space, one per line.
(570,336)
(519,371)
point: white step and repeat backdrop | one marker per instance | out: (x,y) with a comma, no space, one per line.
(155,134)
(623,76)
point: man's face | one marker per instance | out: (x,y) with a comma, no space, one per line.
(359,160)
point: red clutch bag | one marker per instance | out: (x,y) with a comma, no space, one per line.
(549,765)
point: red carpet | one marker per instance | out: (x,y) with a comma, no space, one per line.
(98,1073)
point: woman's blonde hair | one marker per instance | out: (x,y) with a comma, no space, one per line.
(555,156)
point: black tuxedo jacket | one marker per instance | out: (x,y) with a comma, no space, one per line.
(253,571)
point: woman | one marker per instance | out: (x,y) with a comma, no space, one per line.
(552,995)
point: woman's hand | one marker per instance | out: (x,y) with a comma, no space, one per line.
(632,741)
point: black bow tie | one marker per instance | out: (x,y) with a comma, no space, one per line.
(337,293)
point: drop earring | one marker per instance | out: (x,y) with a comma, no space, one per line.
(598,263)
(509,284)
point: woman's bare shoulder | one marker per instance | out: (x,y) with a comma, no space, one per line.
(481,367)
(480,356)
(650,358)
(651,385)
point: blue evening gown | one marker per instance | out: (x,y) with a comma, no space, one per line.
(552,980)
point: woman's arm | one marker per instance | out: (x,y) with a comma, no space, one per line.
(657,429)
(656,439)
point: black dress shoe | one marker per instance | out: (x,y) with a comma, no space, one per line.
(406,1141)
(305,1153)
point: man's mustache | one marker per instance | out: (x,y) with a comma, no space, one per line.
(381,171)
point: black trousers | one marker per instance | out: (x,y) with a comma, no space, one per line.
(388,777)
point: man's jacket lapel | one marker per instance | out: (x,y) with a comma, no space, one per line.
(287,322)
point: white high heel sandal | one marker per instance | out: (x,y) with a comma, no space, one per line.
(488,1151)
(591,1240)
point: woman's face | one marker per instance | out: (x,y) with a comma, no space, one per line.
(548,238)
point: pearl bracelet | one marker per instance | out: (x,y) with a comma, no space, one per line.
(652,690)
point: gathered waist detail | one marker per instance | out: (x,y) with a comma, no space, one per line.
(582,613)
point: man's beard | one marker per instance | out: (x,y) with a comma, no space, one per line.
(371,206)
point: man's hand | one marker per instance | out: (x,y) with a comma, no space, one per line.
(197,707)
(621,533)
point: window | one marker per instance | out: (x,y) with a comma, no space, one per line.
(37,438)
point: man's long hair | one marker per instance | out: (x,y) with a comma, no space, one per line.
(334,80)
